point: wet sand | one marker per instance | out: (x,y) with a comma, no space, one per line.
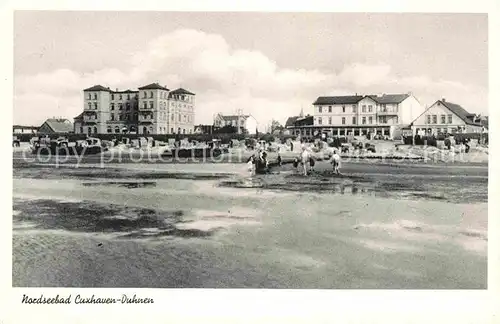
(200,226)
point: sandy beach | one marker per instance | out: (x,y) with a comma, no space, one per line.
(212,226)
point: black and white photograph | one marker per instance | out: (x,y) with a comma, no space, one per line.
(259,150)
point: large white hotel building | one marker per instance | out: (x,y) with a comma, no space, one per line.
(152,109)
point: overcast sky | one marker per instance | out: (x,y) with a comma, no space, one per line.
(266,64)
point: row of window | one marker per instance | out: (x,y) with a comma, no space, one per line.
(145,130)
(120,106)
(120,96)
(364,109)
(364,120)
(445,119)
(124,117)
(163,105)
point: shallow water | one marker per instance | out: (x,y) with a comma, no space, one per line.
(216,227)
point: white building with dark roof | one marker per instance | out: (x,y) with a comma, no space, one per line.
(444,117)
(152,109)
(245,124)
(358,115)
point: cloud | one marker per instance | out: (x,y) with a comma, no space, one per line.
(225,80)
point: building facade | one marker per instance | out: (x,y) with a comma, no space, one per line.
(245,124)
(444,117)
(365,115)
(153,109)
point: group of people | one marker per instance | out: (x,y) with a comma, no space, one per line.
(306,161)
(258,163)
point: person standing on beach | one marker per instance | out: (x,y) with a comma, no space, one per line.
(305,159)
(336,162)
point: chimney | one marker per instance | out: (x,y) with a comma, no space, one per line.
(443,100)
(116,89)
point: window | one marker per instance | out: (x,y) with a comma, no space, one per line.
(128,106)
(112,98)
(354,108)
(90,96)
(179,118)
(121,96)
(329,109)
(343,109)
(144,95)
(172,130)
(363,108)
(354,120)
(145,105)
(117,129)
(136,116)
(428,119)
(320,109)
(95,105)
(127,117)
(112,116)
(343,120)
(95,95)
(112,106)
(110,130)
(151,105)
(183,131)
(383,119)
(120,117)
(81,130)
(128,97)
(370,108)
(434,119)
(151,94)
(320,121)
(121,106)
(363,120)
(329,120)
(370,120)
(450,119)
(90,105)
(443,119)
(396,120)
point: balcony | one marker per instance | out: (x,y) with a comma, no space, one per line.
(388,112)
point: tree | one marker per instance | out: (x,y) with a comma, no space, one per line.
(276,126)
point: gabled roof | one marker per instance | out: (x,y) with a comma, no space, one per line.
(338,100)
(79,117)
(59,125)
(182,91)
(291,121)
(153,86)
(459,111)
(389,98)
(97,87)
